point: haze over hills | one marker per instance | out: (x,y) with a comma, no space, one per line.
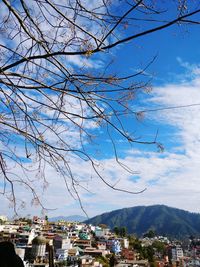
(73,218)
(162,219)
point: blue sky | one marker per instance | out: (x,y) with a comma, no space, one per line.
(170,177)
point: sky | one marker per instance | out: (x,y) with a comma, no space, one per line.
(171,114)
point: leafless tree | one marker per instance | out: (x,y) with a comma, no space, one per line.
(52,84)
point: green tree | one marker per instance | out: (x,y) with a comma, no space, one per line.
(113,260)
(150,234)
(150,253)
(137,245)
(147,253)
(120,231)
(103,260)
(159,246)
(123,231)
(116,230)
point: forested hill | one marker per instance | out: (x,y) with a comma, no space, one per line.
(162,219)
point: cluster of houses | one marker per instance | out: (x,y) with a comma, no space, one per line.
(42,243)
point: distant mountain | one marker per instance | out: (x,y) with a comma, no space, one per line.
(163,220)
(73,218)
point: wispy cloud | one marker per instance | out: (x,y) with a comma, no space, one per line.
(171,177)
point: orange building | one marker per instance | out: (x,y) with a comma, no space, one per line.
(128,254)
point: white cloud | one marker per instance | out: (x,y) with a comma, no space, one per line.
(171,177)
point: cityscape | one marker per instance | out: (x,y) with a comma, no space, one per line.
(40,242)
(99,116)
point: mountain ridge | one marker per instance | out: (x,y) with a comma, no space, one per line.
(164,220)
(72,218)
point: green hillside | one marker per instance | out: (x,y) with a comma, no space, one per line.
(162,219)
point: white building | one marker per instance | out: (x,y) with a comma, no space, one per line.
(32,235)
(126,243)
(61,254)
(101,232)
(176,253)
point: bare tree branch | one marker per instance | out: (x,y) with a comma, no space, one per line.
(58,90)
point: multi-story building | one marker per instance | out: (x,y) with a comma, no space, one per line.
(128,254)
(101,232)
(114,245)
(37,220)
(175,253)
(61,242)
